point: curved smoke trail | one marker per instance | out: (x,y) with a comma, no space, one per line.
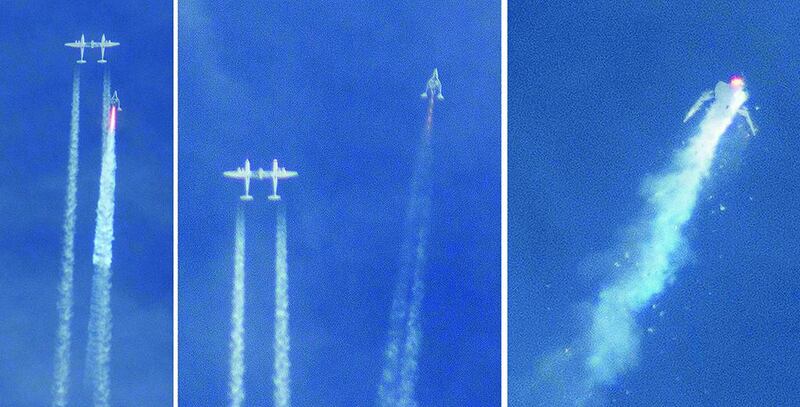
(613,336)
(281,379)
(99,345)
(236,345)
(64,334)
(400,365)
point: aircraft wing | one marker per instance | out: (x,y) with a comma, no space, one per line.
(238,174)
(73,44)
(286,174)
(707,95)
(110,44)
(262,174)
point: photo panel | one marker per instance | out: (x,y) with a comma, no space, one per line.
(653,217)
(339,203)
(86,216)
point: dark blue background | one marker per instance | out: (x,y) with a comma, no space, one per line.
(332,90)
(596,97)
(35,102)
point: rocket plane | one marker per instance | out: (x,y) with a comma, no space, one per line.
(724,93)
(115,101)
(433,87)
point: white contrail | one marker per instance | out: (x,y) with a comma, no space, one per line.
(613,337)
(64,334)
(388,391)
(281,379)
(99,345)
(236,379)
(400,356)
(408,368)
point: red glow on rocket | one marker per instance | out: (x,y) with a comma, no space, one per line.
(112,122)
(737,82)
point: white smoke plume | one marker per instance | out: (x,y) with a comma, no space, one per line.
(64,306)
(99,345)
(281,379)
(236,379)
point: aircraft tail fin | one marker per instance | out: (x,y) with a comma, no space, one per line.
(246,198)
(746,114)
(274,198)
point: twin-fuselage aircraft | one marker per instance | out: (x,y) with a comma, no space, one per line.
(102,44)
(246,174)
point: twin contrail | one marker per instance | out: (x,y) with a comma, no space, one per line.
(612,340)
(236,344)
(399,375)
(281,379)
(99,344)
(64,333)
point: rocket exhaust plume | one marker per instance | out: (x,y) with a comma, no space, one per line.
(612,340)
(399,375)
(64,306)
(429,117)
(99,344)
(236,344)
(408,368)
(281,379)
(112,125)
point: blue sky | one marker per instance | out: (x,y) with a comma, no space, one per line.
(333,92)
(596,97)
(35,94)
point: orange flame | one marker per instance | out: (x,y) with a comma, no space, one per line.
(112,122)
(737,82)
